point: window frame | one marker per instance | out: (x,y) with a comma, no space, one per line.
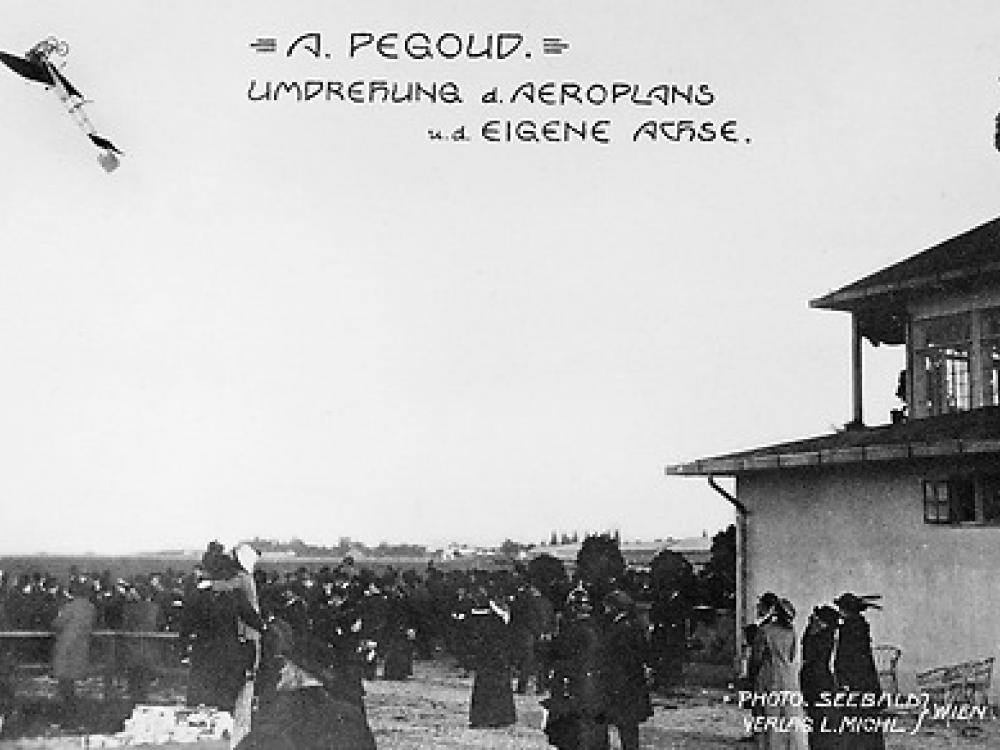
(989,367)
(944,354)
(948,493)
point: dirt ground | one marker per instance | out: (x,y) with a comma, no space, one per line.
(430,711)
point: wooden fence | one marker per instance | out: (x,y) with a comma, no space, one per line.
(29,653)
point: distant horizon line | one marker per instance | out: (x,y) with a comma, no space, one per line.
(194,552)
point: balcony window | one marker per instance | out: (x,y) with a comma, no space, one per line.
(942,349)
(989,352)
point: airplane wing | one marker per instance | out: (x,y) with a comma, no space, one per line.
(103,143)
(27,69)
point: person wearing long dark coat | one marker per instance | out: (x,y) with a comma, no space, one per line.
(816,678)
(526,628)
(854,665)
(140,614)
(492,703)
(575,719)
(306,700)
(624,666)
(210,627)
(374,607)
(668,639)
(547,620)
(73,625)
(398,635)
(248,630)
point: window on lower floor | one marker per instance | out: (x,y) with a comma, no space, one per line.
(991,500)
(962,500)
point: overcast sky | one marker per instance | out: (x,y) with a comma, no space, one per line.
(309,319)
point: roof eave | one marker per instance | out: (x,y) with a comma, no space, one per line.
(825,457)
(856,295)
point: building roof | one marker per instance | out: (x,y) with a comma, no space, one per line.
(970,433)
(879,300)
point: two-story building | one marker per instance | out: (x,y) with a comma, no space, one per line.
(910,509)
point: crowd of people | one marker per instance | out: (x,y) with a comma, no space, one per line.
(298,645)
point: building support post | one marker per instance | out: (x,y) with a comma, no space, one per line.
(857,419)
(741,564)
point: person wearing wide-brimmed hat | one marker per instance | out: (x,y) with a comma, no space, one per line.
(854,664)
(816,677)
(775,673)
(220,617)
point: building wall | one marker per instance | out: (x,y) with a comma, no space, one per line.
(812,535)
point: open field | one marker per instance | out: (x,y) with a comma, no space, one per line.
(126,566)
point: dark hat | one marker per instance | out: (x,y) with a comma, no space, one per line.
(853,603)
(217,564)
(769,599)
(826,614)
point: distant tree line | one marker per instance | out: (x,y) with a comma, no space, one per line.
(572,538)
(671,575)
(344,547)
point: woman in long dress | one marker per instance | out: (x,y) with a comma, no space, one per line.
(817,680)
(309,698)
(222,623)
(625,661)
(492,703)
(249,631)
(776,676)
(398,634)
(575,705)
(854,668)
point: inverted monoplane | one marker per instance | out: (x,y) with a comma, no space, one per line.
(37,66)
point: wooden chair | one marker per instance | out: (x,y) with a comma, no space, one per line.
(886,658)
